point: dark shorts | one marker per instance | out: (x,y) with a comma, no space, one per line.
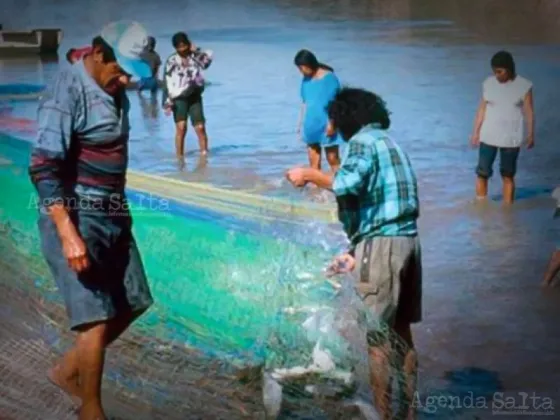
(388,277)
(115,283)
(487,156)
(191,106)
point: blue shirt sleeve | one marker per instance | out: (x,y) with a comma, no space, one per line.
(302,91)
(354,171)
(56,113)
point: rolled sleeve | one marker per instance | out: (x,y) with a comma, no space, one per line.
(203,58)
(353,173)
(55,125)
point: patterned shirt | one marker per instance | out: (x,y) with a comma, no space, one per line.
(81,148)
(376,188)
(184,75)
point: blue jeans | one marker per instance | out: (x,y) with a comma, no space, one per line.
(149,83)
(487,155)
(114,283)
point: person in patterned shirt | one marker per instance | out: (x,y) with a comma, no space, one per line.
(183,88)
(377,197)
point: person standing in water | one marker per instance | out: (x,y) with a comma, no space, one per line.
(377,196)
(506,99)
(184,85)
(318,87)
(78,167)
(153,59)
(553,267)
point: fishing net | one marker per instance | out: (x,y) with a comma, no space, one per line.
(245,323)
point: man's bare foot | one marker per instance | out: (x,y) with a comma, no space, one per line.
(69,385)
(91,412)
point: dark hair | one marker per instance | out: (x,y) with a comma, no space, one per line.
(69,54)
(352,109)
(180,38)
(108,53)
(308,59)
(504,60)
(151,42)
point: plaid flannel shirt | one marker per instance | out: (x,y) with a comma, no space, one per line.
(376,188)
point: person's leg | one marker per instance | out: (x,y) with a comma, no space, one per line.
(508,169)
(94,301)
(406,361)
(180,116)
(90,349)
(333,157)
(553,268)
(65,372)
(406,262)
(379,292)
(486,157)
(314,155)
(131,300)
(196,112)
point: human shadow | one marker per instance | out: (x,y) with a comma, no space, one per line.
(466,391)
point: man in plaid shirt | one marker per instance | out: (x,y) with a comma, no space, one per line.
(376,192)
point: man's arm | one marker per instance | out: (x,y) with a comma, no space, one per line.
(479,120)
(56,118)
(55,125)
(167,74)
(203,58)
(355,170)
(321,179)
(529,111)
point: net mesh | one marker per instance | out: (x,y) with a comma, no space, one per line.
(245,325)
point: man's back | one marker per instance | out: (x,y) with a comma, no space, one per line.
(376,188)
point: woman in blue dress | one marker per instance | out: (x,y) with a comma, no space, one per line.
(318,87)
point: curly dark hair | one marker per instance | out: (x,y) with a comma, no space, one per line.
(353,108)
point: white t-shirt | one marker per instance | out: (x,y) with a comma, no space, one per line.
(503,123)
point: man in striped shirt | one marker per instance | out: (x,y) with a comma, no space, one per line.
(78,166)
(376,192)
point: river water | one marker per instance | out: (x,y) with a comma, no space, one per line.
(487,324)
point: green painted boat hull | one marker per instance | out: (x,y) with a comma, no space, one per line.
(218,288)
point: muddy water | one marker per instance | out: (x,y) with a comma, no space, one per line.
(486,320)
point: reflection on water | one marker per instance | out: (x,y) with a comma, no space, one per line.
(483,307)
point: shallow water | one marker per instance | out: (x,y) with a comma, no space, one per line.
(486,320)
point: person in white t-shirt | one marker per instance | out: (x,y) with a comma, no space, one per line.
(507,103)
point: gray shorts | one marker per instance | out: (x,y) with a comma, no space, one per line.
(389,278)
(115,283)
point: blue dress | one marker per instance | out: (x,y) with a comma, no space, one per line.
(316,95)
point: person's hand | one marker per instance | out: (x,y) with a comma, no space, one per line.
(167,108)
(530,142)
(330,131)
(73,248)
(296,176)
(193,47)
(342,264)
(475,140)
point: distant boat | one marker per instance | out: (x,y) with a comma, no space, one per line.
(34,42)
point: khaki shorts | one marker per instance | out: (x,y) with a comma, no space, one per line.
(389,278)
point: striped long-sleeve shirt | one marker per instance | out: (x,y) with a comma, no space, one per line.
(376,188)
(81,148)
